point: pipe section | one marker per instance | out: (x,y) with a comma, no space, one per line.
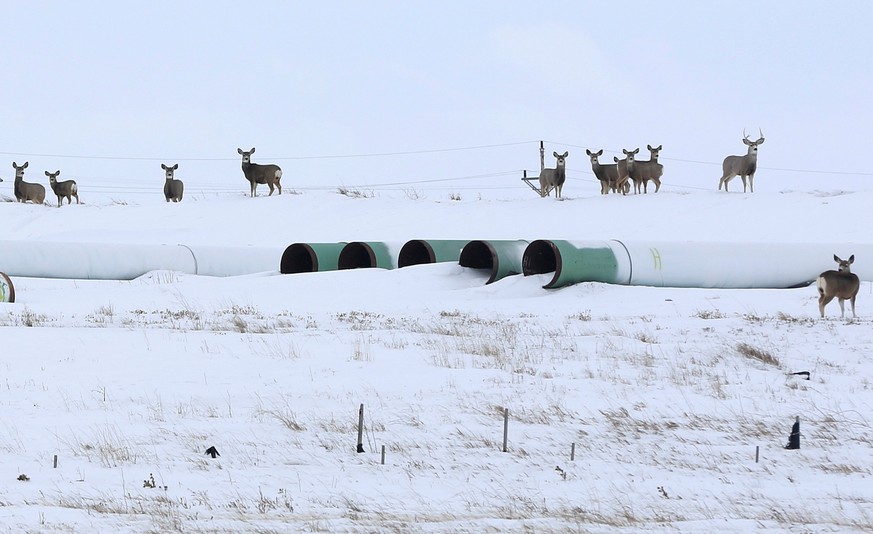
(689,264)
(420,251)
(7,290)
(588,261)
(116,261)
(310,257)
(358,254)
(501,258)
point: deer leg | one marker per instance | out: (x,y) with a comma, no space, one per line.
(853,308)
(842,308)
(822,302)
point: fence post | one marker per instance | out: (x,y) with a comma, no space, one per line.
(361,429)
(505,427)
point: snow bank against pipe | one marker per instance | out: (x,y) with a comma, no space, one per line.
(117,261)
(690,264)
(310,257)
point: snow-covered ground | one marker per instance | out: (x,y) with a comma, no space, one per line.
(675,402)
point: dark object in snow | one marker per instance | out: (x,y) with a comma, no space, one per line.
(804,374)
(360,447)
(794,437)
(212,451)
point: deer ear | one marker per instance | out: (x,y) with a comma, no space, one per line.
(26,163)
(760,141)
(636,151)
(48,173)
(252,151)
(239,150)
(565,154)
(163,166)
(176,166)
(836,258)
(852,258)
(600,152)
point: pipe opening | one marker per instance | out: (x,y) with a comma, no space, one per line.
(480,255)
(7,290)
(416,252)
(355,256)
(540,257)
(298,258)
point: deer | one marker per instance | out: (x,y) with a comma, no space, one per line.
(25,191)
(627,170)
(842,284)
(742,166)
(649,170)
(260,174)
(173,188)
(554,178)
(607,174)
(65,189)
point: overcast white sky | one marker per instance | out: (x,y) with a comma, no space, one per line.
(189,82)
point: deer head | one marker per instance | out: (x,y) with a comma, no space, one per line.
(169,170)
(52,176)
(246,156)
(19,171)
(753,145)
(844,265)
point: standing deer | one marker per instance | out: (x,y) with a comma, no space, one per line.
(173,188)
(607,174)
(260,174)
(649,170)
(627,170)
(65,189)
(554,178)
(25,191)
(742,165)
(842,284)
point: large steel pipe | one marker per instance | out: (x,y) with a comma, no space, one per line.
(689,264)
(500,258)
(310,257)
(117,261)
(359,254)
(419,251)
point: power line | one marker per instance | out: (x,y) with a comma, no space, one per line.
(285,158)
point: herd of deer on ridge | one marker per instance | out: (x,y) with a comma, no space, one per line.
(270,175)
(617,177)
(841,284)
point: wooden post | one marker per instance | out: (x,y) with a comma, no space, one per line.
(757,452)
(383,454)
(542,157)
(361,429)
(505,427)
(55,463)
(572,451)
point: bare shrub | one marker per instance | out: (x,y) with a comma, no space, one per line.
(755,353)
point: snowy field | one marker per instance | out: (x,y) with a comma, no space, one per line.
(665,396)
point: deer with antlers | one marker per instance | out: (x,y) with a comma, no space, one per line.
(742,166)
